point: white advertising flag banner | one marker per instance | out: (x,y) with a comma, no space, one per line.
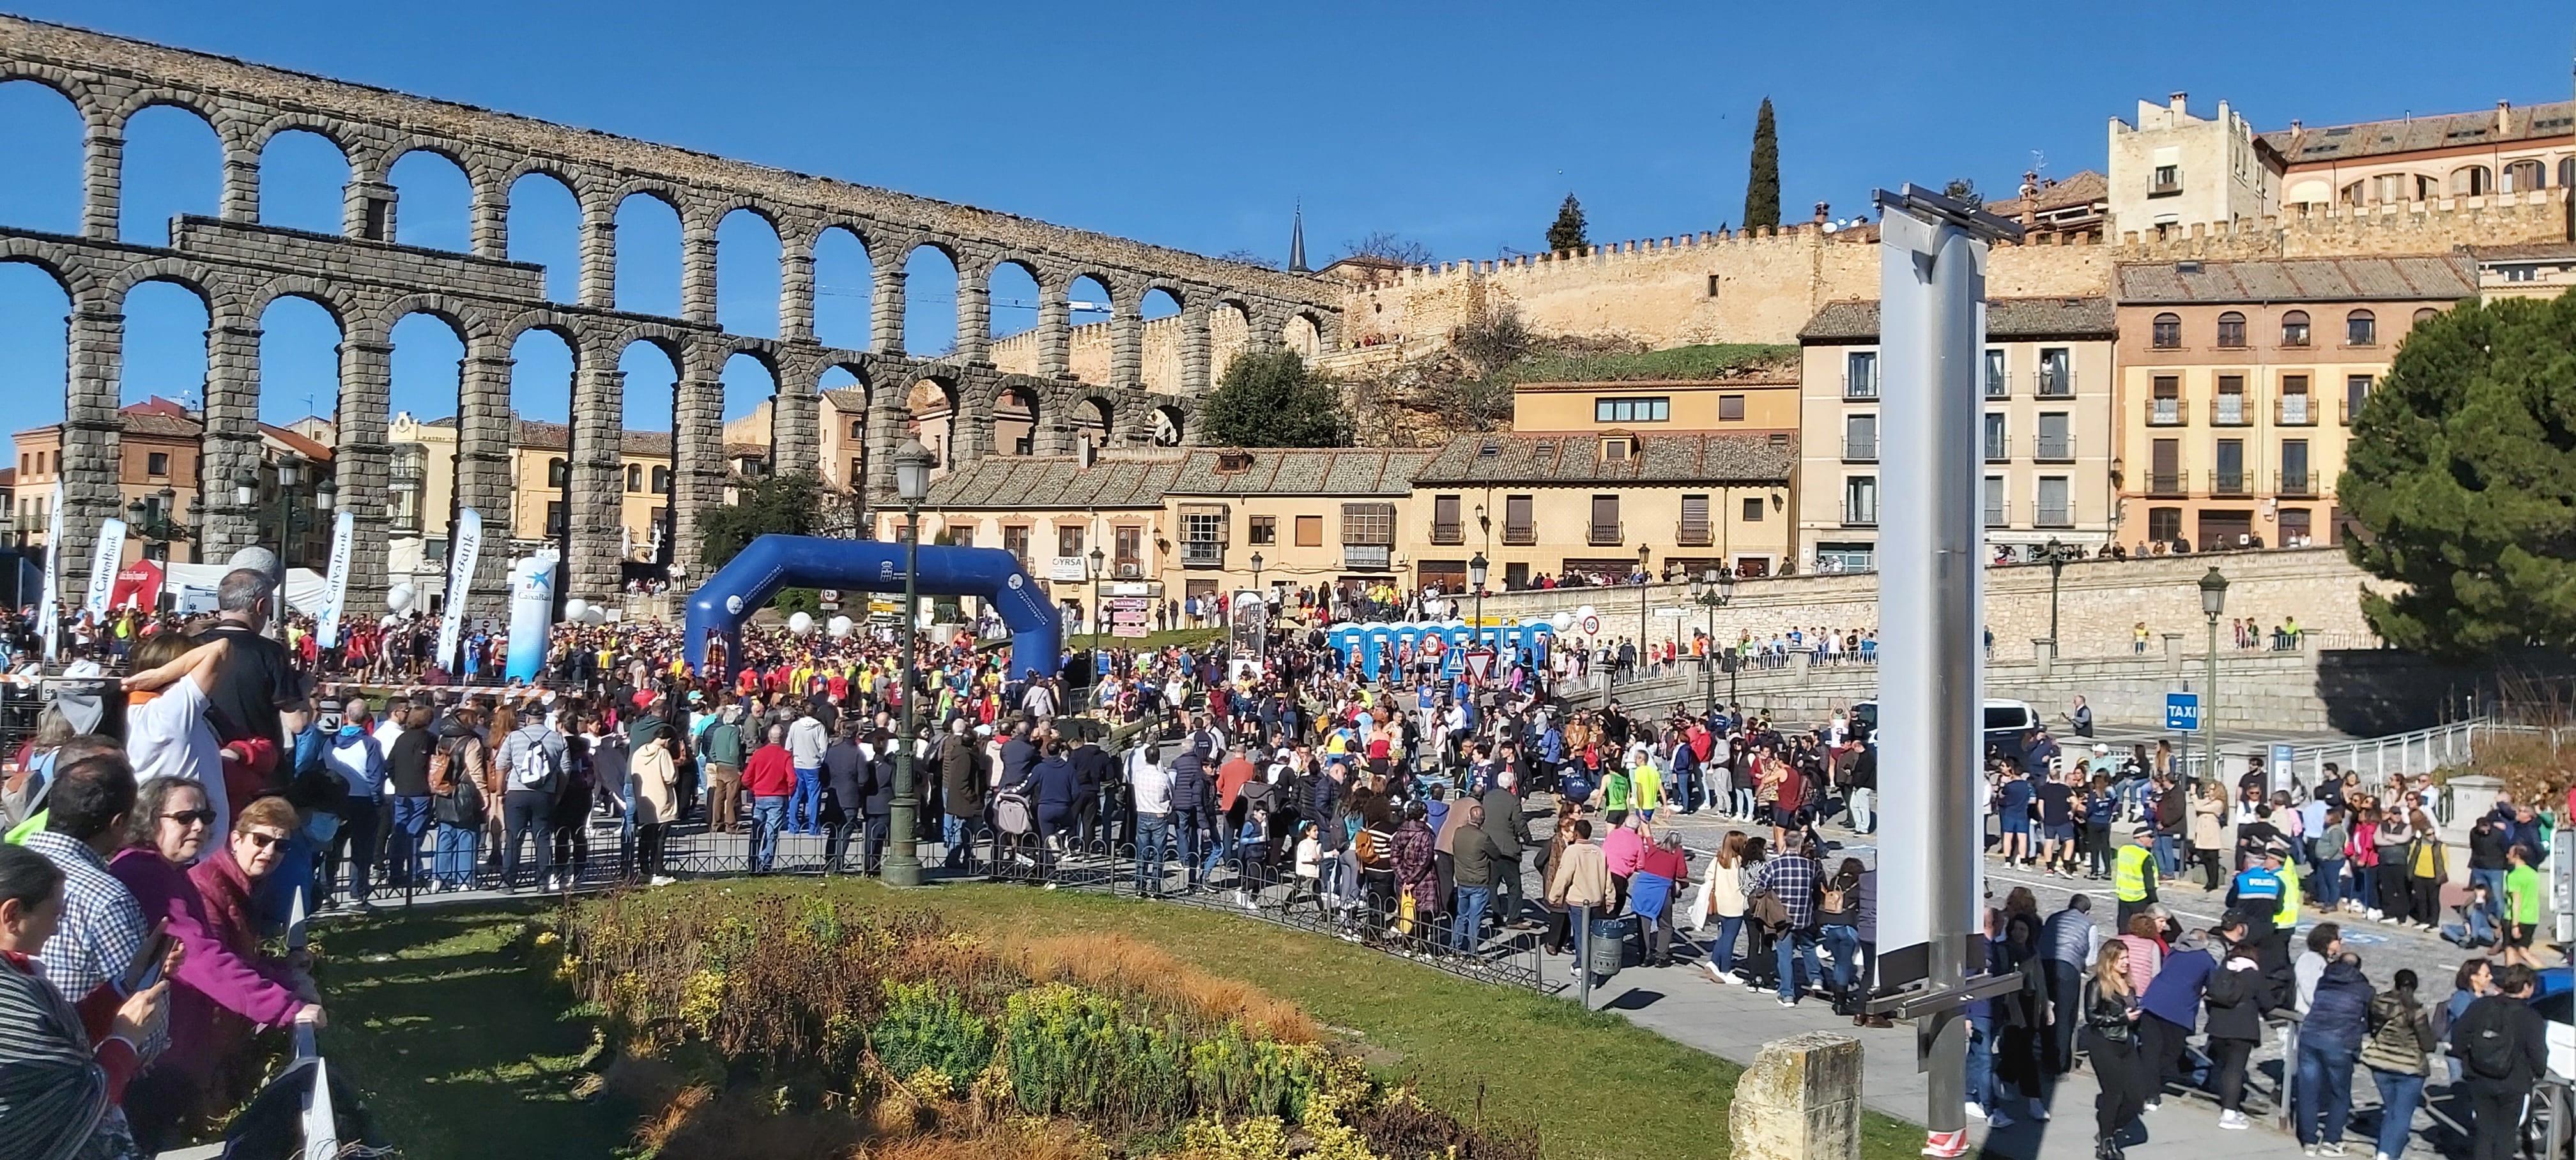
(103,564)
(467,544)
(47,613)
(335,583)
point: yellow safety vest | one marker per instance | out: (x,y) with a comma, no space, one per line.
(2288,917)
(2129,872)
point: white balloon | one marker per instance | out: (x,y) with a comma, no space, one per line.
(597,615)
(398,598)
(800,624)
(838,626)
(576,610)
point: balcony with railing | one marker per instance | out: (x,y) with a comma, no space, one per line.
(1367,557)
(2056,383)
(2229,410)
(1452,532)
(1601,535)
(2295,410)
(1860,450)
(2166,484)
(2343,412)
(1690,534)
(1860,389)
(2053,448)
(1520,535)
(2231,483)
(1998,512)
(1202,554)
(2302,484)
(1998,450)
(2047,515)
(2164,411)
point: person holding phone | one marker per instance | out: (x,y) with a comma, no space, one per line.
(68,1063)
(167,831)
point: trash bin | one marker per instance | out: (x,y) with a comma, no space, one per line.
(1606,946)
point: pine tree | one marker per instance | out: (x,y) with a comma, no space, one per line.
(1270,399)
(1762,188)
(1567,232)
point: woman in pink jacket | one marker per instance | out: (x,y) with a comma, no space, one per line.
(171,823)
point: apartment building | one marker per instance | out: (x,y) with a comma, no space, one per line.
(2046,435)
(1603,502)
(2239,381)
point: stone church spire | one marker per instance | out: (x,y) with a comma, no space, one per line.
(1297,240)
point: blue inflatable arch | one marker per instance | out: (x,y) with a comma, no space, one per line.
(738,589)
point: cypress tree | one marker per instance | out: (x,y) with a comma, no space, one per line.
(1762,188)
(1567,232)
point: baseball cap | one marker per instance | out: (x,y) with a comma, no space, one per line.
(2142,828)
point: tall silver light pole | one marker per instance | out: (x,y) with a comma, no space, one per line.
(2213,601)
(1477,570)
(1932,291)
(912,467)
(1645,585)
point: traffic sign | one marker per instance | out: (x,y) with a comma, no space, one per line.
(2182,712)
(1592,626)
(1479,661)
(1453,663)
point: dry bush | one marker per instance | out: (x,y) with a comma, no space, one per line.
(1142,973)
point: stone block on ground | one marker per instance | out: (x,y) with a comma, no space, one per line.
(1799,1101)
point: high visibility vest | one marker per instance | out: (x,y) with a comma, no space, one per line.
(2129,872)
(2288,916)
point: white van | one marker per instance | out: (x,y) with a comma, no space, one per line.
(2005,722)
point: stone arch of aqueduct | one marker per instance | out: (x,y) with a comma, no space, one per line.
(369,281)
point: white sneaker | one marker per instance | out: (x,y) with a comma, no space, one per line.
(2038,1110)
(660,880)
(1975,1110)
(2153,1106)
(2236,1122)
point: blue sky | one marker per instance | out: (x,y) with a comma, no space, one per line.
(1456,125)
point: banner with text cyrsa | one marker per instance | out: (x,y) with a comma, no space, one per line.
(335,584)
(460,579)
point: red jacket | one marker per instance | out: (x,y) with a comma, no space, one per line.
(770,773)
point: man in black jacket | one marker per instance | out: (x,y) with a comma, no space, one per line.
(1093,773)
(2502,1045)
(1509,828)
(848,776)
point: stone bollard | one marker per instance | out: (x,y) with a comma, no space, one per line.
(1799,1101)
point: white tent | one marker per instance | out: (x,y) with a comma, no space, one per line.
(192,587)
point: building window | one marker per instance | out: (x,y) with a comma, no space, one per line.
(859,429)
(1753,510)
(2168,181)
(558,474)
(554,519)
(1860,501)
(2229,478)
(1997,386)
(1519,525)
(2360,329)
(2164,525)
(1368,535)
(2294,328)
(2231,329)
(1846,557)
(1445,528)
(2167,332)
(1860,375)
(2356,388)
(2056,372)
(1730,408)
(2295,411)
(1203,528)
(1615,450)
(2296,478)
(1998,448)
(2524,176)
(2056,508)
(2056,442)
(634,477)
(2228,408)
(2566,172)
(1605,520)
(2471,181)
(157,464)
(1712,285)
(1015,540)
(1860,438)
(1646,410)
(2165,408)
(661,481)
(1262,530)
(1310,531)
(2164,470)
(858,474)
(2425,314)
(1998,509)
(1068,537)
(1131,550)
(1694,529)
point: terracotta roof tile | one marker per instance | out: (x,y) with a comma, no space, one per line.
(2430,278)
(1675,458)
(2415,134)
(2007,319)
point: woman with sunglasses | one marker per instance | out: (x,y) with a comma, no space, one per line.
(170,828)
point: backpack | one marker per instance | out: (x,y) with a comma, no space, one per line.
(537,769)
(462,804)
(2488,1052)
(1370,847)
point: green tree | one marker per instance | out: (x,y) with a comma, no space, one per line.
(1762,188)
(1566,233)
(1964,191)
(790,503)
(2462,475)
(1270,399)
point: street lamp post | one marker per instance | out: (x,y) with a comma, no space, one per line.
(156,524)
(1096,560)
(1645,586)
(2057,555)
(1477,570)
(1256,571)
(2213,601)
(912,467)
(1712,591)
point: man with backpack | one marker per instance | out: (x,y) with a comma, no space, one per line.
(532,759)
(2501,1043)
(458,766)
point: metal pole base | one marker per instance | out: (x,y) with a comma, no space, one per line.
(1946,1144)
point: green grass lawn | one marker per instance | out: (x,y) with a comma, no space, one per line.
(460,1052)
(451,1023)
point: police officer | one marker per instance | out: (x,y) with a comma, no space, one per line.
(2263,894)
(2133,873)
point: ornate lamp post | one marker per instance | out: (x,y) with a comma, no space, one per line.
(912,467)
(1712,592)
(1097,561)
(2213,601)
(290,476)
(2057,556)
(156,524)
(1477,570)
(1645,586)
(1256,571)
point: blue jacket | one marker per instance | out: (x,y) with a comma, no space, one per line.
(2339,1015)
(1055,786)
(2174,994)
